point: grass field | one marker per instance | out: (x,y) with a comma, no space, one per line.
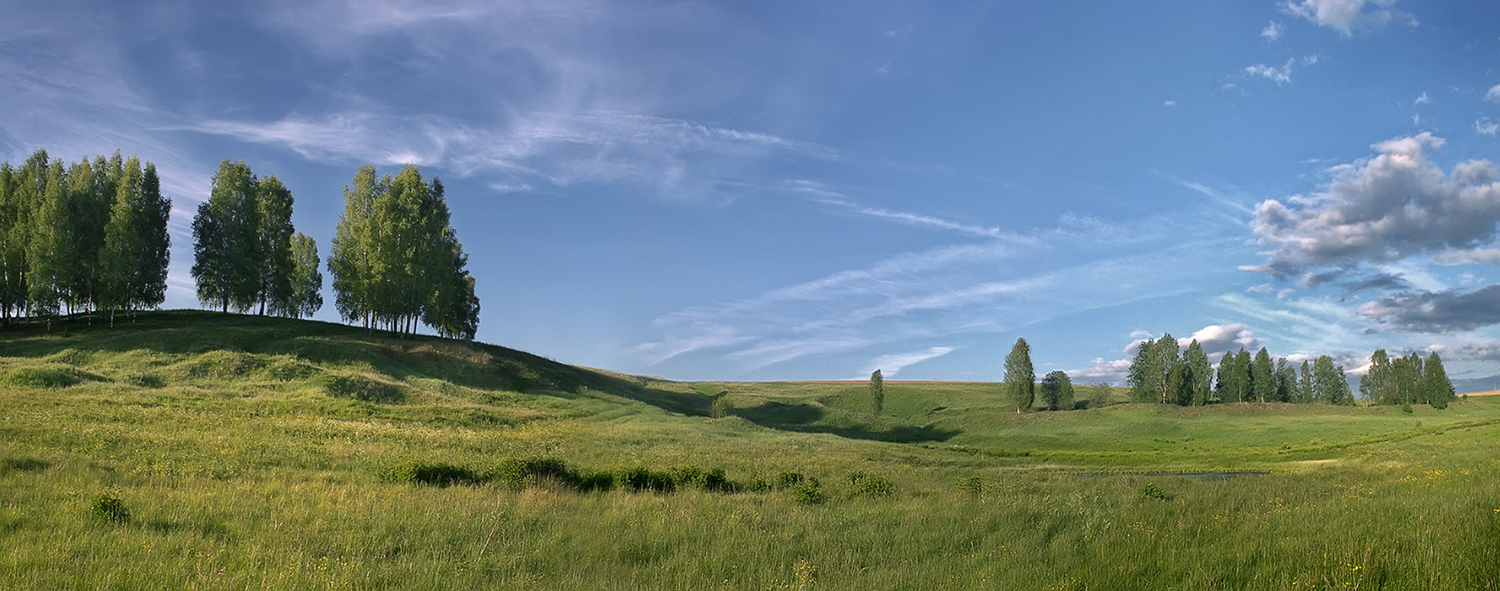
(195,450)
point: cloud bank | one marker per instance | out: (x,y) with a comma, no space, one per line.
(1395,205)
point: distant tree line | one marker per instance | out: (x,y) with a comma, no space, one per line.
(245,252)
(1159,374)
(396,259)
(82,237)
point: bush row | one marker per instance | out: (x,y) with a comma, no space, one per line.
(524,472)
(519,473)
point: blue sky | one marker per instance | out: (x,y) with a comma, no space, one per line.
(813,190)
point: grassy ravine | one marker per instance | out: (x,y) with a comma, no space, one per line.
(195,450)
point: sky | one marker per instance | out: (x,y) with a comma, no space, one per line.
(727,190)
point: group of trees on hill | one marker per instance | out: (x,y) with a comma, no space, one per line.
(245,251)
(1407,380)
(396,259)
(1160,374)
(93,236)
(81,237)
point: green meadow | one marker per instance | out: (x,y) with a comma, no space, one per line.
(194,450)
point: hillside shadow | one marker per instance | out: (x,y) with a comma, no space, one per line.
(804,418)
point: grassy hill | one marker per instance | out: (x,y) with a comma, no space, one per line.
(194,450)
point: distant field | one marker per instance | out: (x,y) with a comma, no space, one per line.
(196,450)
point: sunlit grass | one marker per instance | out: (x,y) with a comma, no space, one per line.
(241,465)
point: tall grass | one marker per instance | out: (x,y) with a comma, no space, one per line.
(230,456)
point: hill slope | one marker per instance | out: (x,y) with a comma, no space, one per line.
(196,450)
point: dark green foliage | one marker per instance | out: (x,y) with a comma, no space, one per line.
(1436,385)
(1099,395)
(1200,374)
(226,253)
(521,472)
(809,492)
(109,507)
(1328,382)
(867,484)
(1151,372)
(641,479)
(1020,379)
(396,258)
(1304,392)
(306,279)
(432,474)
(789,479)
(1151,491)
(1406,407)
(1057,391)
(972,484)
(1262,377)
(877,392)
(1379,383)
(274,232)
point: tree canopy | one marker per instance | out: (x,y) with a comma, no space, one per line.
(243,248)
(82,237)
(396,259)
(1020,378)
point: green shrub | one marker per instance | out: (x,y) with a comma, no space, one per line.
(109,507)
(862,484)
(431,473)
(639,479)
(716,481)
(808,492)
(1406,408)
(788,479)
(521,472)
(972,484)
(721,407)
(1151,491)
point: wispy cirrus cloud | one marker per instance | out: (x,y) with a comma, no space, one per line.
(823,194)
(948,294)
(892,364)
(675,157)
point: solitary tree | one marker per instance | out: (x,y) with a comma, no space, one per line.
(1057,391)
(1099,395)
(877,392)
(1020,379)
